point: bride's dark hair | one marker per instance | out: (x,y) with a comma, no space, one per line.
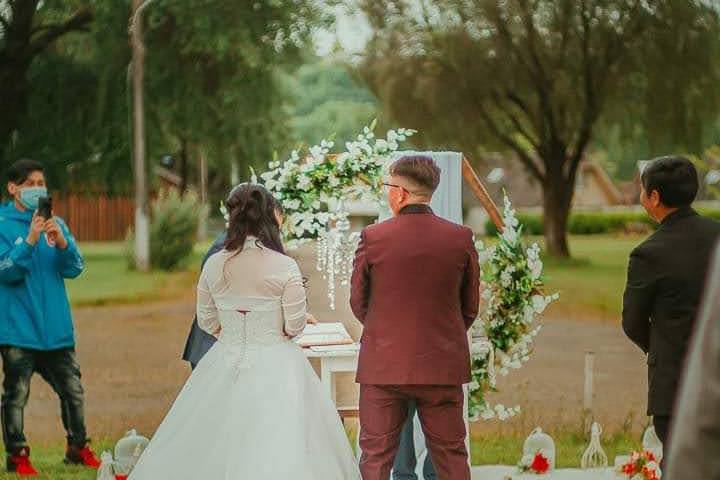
(252,211)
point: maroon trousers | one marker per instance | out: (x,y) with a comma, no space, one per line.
(383,411)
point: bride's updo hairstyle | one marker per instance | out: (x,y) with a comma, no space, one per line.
(252,211)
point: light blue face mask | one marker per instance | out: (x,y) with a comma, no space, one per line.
(30,196)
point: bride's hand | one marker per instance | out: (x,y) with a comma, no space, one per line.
(217,331)
(311,320)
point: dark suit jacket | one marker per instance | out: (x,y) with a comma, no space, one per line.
(415,288)
(696,428)
(664,288)
(199,341)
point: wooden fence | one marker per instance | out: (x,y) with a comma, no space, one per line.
(94,218)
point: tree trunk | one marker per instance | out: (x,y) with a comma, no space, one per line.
(557,201)
(13,100)
(184,166)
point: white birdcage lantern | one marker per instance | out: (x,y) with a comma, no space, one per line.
(539,442)
(651,443)
(128,451)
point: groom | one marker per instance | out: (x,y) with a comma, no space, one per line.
(415,289)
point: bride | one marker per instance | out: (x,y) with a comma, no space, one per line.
(253,407)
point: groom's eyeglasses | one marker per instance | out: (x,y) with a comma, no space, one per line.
(392,185)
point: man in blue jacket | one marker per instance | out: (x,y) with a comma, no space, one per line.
(36,330)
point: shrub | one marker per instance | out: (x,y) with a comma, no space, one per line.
(593,223)
(173,230)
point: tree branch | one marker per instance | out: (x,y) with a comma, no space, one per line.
(512,144)
(49,33)
(515,121)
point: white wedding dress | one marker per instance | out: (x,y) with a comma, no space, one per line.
(253,408)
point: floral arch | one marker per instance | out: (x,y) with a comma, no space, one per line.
(314,187)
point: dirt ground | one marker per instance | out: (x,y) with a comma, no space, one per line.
(130,357)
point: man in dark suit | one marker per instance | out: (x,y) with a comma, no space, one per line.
(696,428)
(199,341)
(415,289)
(665,281)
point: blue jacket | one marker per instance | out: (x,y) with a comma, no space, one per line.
(34,308)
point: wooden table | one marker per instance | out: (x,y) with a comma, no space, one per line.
(332,362)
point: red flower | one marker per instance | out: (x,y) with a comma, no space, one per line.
(540,464)
(628,469)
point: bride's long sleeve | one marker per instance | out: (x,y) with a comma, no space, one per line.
(294,303)
(207,314)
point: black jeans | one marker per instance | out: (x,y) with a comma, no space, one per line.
(61,370)
(405,461)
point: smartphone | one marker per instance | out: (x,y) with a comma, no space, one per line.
(45,207)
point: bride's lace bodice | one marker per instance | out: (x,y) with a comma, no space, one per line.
(251,299)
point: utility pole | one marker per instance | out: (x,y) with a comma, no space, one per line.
(142,214)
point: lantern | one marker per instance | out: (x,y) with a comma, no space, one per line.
(651,443)
(540,442)
(128,451)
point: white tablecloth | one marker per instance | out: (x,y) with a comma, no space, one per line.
(499,472)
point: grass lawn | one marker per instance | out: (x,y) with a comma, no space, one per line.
(591,284)
(107,280)
(486,450)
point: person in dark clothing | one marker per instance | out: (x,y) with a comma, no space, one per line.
(199,341)
(666,275)
(696,427)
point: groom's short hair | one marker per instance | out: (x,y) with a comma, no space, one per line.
(421,170)
(674,177)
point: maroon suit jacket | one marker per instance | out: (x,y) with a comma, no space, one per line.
(415,289)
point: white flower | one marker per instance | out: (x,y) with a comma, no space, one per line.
(473,386)
(381,145)
(505,279)
(509,235)
(536,268)
(480,349)
(303,182)
(316,151)
(353,149)
(539,303)
(291,204)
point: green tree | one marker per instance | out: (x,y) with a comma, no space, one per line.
(538,77)
(29,27)
(214,76)
(328,101)
(76,120)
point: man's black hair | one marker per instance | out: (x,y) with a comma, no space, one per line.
(674,177)
(21,170)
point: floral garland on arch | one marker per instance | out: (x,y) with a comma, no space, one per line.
(512,274)
(312,186)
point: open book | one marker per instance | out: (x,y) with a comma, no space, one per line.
(324,334)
